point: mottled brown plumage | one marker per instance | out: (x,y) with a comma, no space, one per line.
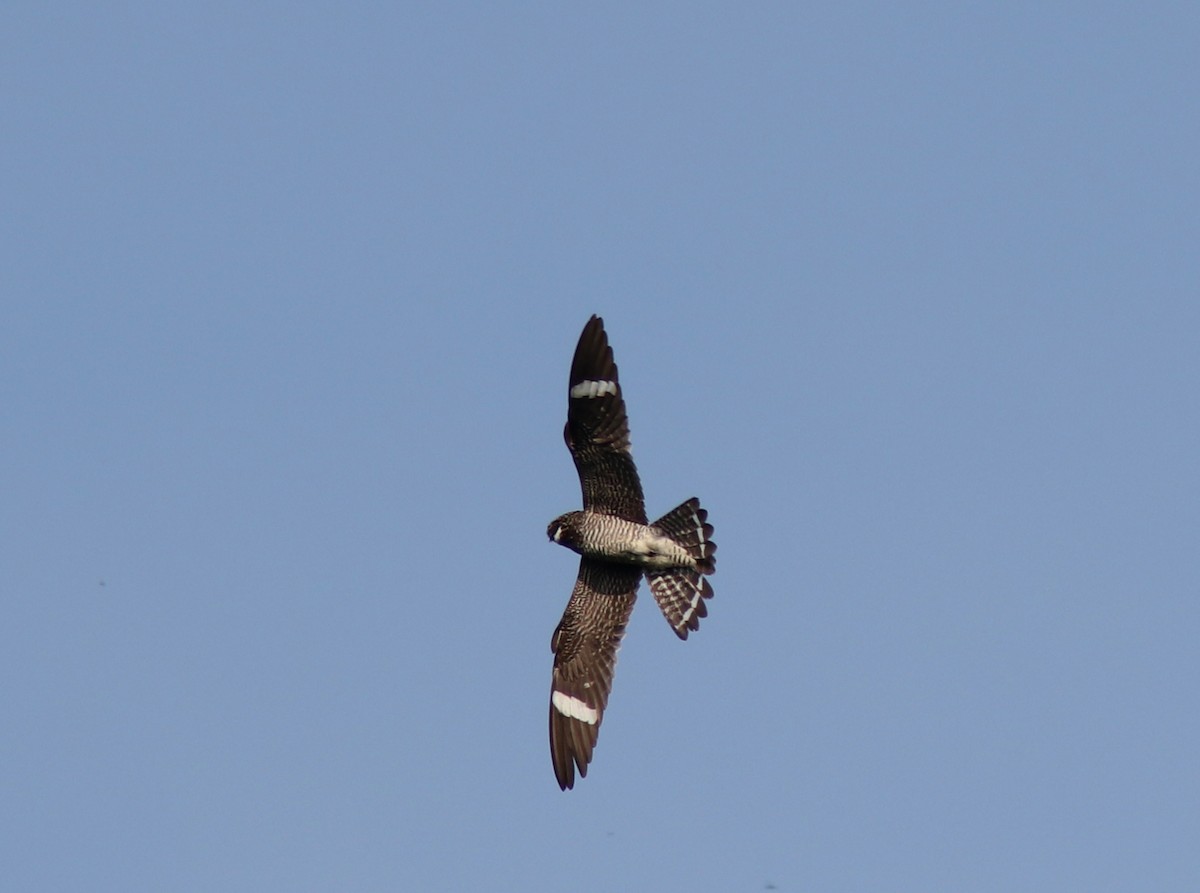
(597,432)
(585,654)
(617,546)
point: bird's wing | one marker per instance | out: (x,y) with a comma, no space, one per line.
(585,654)
(597,431)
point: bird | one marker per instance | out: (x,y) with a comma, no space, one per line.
(617,547)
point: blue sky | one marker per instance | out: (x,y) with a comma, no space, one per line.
(906,294)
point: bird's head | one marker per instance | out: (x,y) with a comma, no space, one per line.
(564,530)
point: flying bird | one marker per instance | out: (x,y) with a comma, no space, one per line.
(617,546)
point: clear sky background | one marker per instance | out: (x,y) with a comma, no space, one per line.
(908,294)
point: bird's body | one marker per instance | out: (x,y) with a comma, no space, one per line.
(611,538)
(618,546)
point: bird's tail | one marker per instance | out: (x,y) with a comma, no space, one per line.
(681,591)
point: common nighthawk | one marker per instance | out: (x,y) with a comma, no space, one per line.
(618,546)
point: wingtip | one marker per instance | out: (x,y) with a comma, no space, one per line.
(593,357)
(594,324)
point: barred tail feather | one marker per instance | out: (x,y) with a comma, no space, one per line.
(688,525)
(681,591)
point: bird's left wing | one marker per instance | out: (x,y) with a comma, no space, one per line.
(597,431)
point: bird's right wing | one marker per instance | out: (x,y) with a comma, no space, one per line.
(585,654)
